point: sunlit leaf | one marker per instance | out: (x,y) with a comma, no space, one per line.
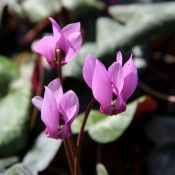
(18,169)
(104,129)
(101,170)
(109,36)
(14,110)
(82,8)
(143,24)
(8,72)
(41,154)
(8,161)
(36,10)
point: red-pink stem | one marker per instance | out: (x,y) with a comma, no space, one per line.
(68,144)
(80,136)
(38,90)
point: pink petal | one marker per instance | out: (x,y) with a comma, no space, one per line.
(88,69)
(120,105)
(49,114)
(101,86)
(71,28)
(69,106)
(55,28)
(64,45)
(55,87)
(62,41)
(37,102)
(116,75)
(75,41)
(119,58)
(130,78)
(65,131)
(46,47)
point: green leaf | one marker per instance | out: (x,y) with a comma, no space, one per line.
(36,10)
(105,129)
(14,110)
(124,13)
(8,161)
(18,169)
(154,19)
(101,169)
(8,72)
(81,8)
(41,154)
(109,32)
(94,117)
(142,24)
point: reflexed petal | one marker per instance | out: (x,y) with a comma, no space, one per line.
(101,86)
(119,58)
(55,87)
(75,41)
(88,69)
(46,47)
(69,106)
(120,104)
(130,78)
(37,102)
(71,28)
(49,114)
(116,75)
(55,28)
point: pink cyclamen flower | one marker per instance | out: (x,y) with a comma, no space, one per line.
(112,87)
(63,44)
(58,110)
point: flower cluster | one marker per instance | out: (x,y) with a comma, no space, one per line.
(111,88)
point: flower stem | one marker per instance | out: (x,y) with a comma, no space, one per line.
(68,154)
(80,136)
(68,144)
(38,77)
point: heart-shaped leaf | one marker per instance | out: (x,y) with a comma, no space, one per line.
(14,107)
(104,129)
(41,154)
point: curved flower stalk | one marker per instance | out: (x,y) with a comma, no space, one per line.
(112,87)
(63,44)
(58,110)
